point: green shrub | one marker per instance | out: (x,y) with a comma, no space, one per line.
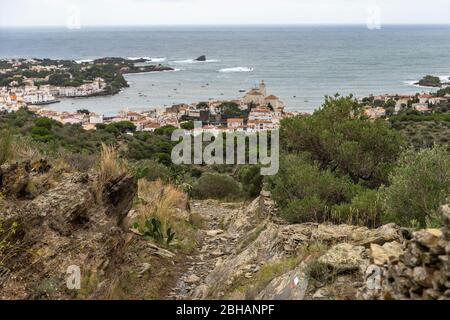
(251,180)
(153,228)
(310,208)
(305,193)
(418,186)
(151,170)
(339,137)
(365,209)
(216,186)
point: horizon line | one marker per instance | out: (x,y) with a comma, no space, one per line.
(220,25)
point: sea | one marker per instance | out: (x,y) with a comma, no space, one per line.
(300,64)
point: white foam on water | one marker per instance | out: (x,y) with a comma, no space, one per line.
(84,61)
(236,69)
(148,59)
(190,61)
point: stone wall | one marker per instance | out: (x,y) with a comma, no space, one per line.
(423,270)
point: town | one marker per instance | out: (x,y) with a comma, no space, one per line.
(35,83)
(255,111)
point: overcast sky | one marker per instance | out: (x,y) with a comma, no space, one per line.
(156,12)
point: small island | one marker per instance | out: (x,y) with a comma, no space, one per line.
(432,81)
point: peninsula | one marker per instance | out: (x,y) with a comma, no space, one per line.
(42,81)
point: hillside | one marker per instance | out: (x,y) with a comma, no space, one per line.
(239,251)
(354,212)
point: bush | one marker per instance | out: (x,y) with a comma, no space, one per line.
(365,209)
(310,208)
(418,186)
(151,170)
(251,180)
(216,186)
(300,185)
(339,137)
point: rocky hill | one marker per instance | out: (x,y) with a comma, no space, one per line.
(52,219)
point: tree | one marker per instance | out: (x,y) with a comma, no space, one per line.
(389,106)
(202,105)
(189,125)
(340,138)
(251,179)
(418,186)
(306,193)
(231,110)
(121,127)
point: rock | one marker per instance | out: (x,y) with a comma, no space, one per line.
(192,279)
(201,58)
(345,257)
(423,276)
(428,238)
(289,286)
(217,253)
(265,193)
(145,267)
(213,233)
(382,254)
(421,272)
(118,194)
(200,292)
(386,233)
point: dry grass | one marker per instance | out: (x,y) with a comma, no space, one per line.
(159,201)
(5,147)
(110,165)
(167,203)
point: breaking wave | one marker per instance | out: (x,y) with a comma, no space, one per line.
(237,69)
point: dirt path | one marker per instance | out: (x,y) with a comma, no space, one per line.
(215,244)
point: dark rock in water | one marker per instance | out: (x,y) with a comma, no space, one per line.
(201,58)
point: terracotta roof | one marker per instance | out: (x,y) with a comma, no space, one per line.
(152,125)
(254,92)
(263,110)
(235,120)
(272,97)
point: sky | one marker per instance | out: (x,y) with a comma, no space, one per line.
(80,13)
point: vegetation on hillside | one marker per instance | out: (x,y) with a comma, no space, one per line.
(335,165)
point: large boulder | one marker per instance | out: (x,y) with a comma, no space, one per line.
(345,257)
(385,253)
(289,286)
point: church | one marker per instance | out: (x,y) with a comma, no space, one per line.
(258,97)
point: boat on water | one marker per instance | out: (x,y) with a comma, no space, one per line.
(43,103)
(241,90)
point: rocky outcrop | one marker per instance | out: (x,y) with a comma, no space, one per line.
(201,58)
(15,178)
(65,226)
(262,241)
(420,271)
(118,194)
(292,285)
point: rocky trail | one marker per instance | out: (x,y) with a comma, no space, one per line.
(215,244)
